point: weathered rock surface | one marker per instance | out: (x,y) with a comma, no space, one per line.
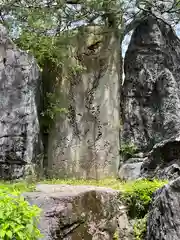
(164,217)
(85,143)
(79,212)
(19,125)
(131,169)
(164,160)
(151,94)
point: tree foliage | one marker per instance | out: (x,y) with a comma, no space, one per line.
(29,20)
(40,25)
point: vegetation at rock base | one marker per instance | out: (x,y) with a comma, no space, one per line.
(128,150)
(18,220)
(140,228)
(44,29)
(137,196)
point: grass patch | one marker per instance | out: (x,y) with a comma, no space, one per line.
(21,186)
(108,182)
(137,196)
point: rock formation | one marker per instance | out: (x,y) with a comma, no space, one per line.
(79,212)
(131,169)
(85,143)
(151,91)
(163,218)
(19,101)
(163,161)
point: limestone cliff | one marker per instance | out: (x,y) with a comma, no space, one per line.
(85,143)
(19,102)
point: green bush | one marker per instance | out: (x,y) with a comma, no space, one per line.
(18,220)
(140,228)
(137,196)
(128,150)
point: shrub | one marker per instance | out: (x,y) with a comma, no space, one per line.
(137,196)
(18,220)
(140,228)
(128,150)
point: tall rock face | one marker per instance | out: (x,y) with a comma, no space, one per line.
(85,143)
(151,91)
(19,124)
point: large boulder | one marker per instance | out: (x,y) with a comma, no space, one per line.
(19,102)
(85,142)
(150,96)
(164,217)
(79,212)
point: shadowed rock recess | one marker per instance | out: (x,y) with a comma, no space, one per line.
(19,125)
(151,95)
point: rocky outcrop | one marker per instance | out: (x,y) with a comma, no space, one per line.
(151,91)
(79,212)
(85,143)
(19,101)
(151,104)
(163,161)
(131,169)
(164,217)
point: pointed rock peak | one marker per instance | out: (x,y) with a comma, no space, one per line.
(151,33)
(150,96)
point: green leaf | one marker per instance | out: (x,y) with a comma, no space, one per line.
(18,219)
(2,233)
(9,234)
